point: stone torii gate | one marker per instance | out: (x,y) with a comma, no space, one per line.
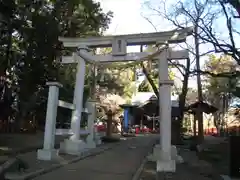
(119,54)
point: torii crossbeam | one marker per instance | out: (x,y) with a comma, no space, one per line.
(119,46)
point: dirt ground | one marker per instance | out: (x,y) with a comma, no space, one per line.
(207,165)
(218,156)
(184,172)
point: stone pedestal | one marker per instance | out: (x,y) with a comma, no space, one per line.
(90,142)
(162,160)
(97,137)
(166,166)
(47,155)
(73,147)
(157,152)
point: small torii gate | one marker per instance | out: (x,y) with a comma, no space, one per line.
(119,54)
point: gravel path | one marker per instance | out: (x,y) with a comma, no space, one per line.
(119,163)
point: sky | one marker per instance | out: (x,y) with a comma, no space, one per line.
(128,18)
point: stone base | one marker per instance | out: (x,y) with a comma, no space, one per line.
(47,155)
(90,143)
(97,139)
(157,154)
(179,159)
(166,166)
(226,177)
(166,162)
(73,147)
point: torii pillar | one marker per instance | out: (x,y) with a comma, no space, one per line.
(165,152)
(75,145)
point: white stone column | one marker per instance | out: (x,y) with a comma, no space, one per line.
(48,152)
(78,99)
(75,145)
(91,106)
(165,163)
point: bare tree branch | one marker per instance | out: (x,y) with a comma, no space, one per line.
(206,33)
(150,22)
(147,75)
(178,66)
(226,74)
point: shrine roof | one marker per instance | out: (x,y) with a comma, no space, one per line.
(201,106)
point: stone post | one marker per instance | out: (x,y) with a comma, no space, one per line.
(75,145)
(78,99)
(97,136)
(91,106)
(48,152)
(165,163)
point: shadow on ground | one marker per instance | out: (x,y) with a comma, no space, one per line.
(184,172)
(207,165)
(218,156)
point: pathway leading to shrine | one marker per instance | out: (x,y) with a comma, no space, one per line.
(120,163)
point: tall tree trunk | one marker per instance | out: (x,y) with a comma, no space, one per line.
(150,80)
(9,45)
(182,96)
(93,82)
(195,126)
(216,121)
(199,84)
(182,102)
(146,72)
(6,65)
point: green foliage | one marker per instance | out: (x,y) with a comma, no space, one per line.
(144,86)
(220,65)
(29,47)
(151,72)
(217,88)
(118,78)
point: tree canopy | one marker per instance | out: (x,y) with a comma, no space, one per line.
(30,50)
(218,90)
